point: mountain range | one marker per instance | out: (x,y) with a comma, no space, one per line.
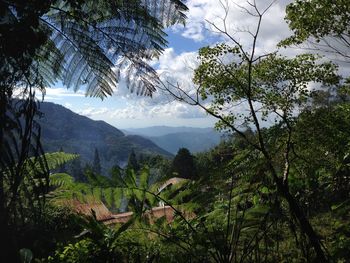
(173,138)
(65,130)
(73,133)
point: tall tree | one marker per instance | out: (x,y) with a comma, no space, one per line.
(62,168)
(183,164)
(132,161)
(76,170)
(268,85)
(96,166)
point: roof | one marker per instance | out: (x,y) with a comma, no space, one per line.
(101,211)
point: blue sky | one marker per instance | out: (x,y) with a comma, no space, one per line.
(125,110)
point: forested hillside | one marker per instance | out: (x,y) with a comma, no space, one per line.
(64,130)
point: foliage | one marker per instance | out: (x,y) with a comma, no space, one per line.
(79,43)
(159,166)
(76,170)
(321,26)
(96,166)
(268,86)
(278,83)
(25,184)
(318,19)
(132,161)
(237,214)
(183,164)
(263,195)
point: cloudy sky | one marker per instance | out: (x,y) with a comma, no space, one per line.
(125,110)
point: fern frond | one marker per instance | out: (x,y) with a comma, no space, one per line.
(61,180)
(88,43)
(56,159)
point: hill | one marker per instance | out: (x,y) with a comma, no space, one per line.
(156,131)
(173,138)
(62,128)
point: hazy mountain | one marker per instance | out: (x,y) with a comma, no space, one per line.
(173,138)
(155,131)
(62,128)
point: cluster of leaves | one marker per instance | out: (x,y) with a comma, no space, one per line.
(276,83)
(81,42)
(317,19)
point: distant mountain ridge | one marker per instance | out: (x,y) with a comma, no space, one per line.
(173,138)
(155,131)
(62,128)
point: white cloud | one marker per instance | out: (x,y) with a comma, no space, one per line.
(141,111)
(68,105)
(171,67)
(93,112)
(63,92)
(178,68)
(204,12)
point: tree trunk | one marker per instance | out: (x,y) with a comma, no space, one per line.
(4,231)
(304,223)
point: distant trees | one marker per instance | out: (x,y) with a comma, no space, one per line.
(183,164)
(76,170)
(62,168)
(96,165)
(132,161)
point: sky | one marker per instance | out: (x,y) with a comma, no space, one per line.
(125,110)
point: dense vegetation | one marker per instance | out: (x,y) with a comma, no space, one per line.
(84,44)
(268,193)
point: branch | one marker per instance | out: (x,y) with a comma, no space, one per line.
(196,102)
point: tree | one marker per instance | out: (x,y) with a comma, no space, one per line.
(96,166)
(324,25)
(183,164)
(62,168)
(76,170)
(80,42)
(132,161)
(83,43)
(268,85)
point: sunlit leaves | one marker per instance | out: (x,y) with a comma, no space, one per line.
(274,84)
(317,19)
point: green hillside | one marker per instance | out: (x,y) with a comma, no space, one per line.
(64,129)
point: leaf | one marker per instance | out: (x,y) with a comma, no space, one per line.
(26,255)
(144,177)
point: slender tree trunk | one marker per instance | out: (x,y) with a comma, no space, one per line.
(4,233)
(303,221)
(296,210)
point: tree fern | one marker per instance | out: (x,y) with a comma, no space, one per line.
(56,159)
(95,41)
(79,42)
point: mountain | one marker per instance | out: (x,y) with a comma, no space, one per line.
(173,138)
(62,128)
(155,131)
